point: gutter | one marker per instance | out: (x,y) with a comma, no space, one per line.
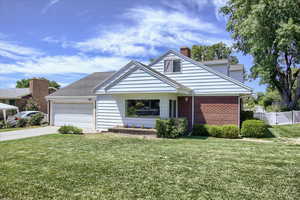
(70,97)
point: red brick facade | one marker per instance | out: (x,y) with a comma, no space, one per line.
(185,108)
(217,110)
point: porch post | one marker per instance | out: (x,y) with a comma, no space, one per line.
(176,107)
(4,115)
(193,109)
(239,112)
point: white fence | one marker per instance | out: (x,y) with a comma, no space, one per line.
(279,118)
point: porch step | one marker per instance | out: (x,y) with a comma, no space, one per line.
(134,131)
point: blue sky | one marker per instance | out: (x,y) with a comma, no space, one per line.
(63,40)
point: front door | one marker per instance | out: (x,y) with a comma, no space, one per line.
(185,108)
(172,108)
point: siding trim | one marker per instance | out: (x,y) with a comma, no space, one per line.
(138,66)
(202,66)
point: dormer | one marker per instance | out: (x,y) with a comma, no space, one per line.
(237,72)
(221,65)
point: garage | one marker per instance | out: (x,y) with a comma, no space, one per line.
(76,114)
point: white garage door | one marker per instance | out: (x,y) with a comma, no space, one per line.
(76,114)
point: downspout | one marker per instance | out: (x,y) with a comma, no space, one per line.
(239,111)
(193,112)
(193,109)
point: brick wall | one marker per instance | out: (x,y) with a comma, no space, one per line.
(216,110)
(185,109)
(39,89)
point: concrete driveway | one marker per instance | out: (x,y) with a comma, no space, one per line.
(30,132)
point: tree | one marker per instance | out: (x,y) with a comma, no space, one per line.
(269,30)
(213,52)
(24,83)
(32,105)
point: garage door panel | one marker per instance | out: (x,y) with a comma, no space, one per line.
(80,115)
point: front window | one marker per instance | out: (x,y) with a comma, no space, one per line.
(142,108)
(172,66)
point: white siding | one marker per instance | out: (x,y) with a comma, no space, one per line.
(238,75)
(140,81)
(199,79)
(111,110)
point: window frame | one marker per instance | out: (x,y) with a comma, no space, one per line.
(141,116)
(172,66)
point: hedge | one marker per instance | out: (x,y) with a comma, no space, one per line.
(224,131)
(23,122)
(230,131)
(36,119)
(254,128)
(171,128)
(70,130)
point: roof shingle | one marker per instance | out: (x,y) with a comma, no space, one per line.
(14,93)
(84,86)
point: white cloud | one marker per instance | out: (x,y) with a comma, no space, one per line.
(63,43)
(64,64)
(183,5)
(219,4)
(152,28)
(15,51)
(49,5)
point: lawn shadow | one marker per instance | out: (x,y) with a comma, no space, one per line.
(196,137)
(269,134)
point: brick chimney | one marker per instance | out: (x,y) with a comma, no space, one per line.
(185,51)
(39,90)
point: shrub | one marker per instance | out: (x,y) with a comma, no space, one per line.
(32,105)
(200,130)
(171,128)
(214,130)
(161,127)
(2,124)
(70,130)
(254,128)
(36,119)
(22,123)
(230,131)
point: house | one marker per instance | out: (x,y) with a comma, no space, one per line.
(173,85)
(38,90)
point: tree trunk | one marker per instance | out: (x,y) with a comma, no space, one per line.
(289,100)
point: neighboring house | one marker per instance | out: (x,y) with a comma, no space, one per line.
(38,89)
(174,85)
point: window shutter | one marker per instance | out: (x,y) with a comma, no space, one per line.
(168,66)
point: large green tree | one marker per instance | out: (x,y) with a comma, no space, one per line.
(24,83)
(213,52)
(269,30)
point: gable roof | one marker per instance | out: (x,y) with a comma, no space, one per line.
(122,73)
(221,75)
(14,93)
(84,86)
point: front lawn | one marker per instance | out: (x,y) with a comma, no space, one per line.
(116,167)
(290,131)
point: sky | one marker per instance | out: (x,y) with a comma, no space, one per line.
(64,40)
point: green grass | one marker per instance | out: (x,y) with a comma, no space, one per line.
(115,167)
(16,129)
(290,131)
